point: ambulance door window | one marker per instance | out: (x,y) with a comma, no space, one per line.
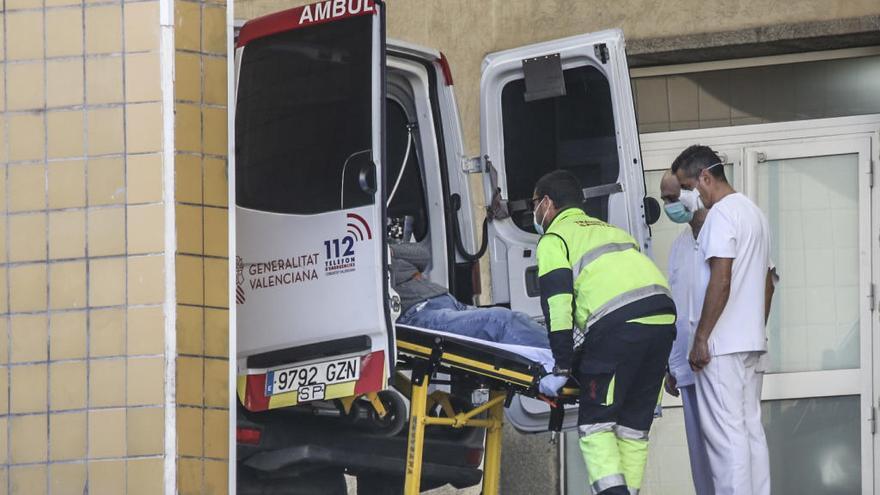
(303,119)
(409,197)
(574,132)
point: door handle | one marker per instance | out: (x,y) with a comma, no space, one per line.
(367,177)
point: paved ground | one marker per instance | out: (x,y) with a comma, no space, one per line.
(446,490)
(530,465)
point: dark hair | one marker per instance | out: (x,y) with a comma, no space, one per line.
(695,158)
(563,187)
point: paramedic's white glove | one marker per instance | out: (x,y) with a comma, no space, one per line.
(550,384)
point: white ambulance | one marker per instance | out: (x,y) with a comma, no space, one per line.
(331,120)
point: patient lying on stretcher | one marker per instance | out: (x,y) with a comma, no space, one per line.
(428,305)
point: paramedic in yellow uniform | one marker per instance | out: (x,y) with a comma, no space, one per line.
(594,278)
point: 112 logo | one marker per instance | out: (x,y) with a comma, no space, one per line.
(339,248)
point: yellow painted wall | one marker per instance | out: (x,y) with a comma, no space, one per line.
(466,30)
(202,246)
(81,249)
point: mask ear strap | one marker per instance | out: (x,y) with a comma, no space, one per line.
(543,217)
(710,167)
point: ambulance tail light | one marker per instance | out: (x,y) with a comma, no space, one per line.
(248,436)
(444,67)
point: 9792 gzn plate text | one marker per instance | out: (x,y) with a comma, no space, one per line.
(326,373)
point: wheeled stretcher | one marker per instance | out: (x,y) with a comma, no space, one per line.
(503,369)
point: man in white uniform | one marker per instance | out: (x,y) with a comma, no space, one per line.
(730,340)
(683,206)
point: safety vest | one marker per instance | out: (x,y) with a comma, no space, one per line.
(603,269)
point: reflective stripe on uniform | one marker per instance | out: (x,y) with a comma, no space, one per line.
(633,491)
(586,430)
(667,319)
(608,482)
(628,297)
(630,433)
(609,397)
(594,253)
(574,245)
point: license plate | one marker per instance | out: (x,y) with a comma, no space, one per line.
(310,392)
(326,373)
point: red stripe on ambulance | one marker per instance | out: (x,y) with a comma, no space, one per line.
(309,15)
(254,398)
(372,373)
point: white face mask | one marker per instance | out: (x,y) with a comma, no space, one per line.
(539,226)
(691,200)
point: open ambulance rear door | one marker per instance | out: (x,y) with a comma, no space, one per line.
(311,287)
(564,104)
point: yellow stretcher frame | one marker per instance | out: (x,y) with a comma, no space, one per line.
(419,420)
(503,383)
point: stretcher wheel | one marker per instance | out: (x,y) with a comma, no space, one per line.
(395,415)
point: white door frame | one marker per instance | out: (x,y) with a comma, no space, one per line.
(741,145)
(846,381)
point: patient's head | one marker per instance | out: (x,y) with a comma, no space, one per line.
(554,192)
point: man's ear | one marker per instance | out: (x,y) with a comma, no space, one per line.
(709,176)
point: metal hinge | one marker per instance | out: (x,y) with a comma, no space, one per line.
(872,290)
(474,164)
(873,420)
(601,50)
(871,174)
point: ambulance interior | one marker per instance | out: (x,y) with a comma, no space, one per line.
(404,179)
(416,184)
(574,131)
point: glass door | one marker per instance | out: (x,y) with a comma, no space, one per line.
(817,396)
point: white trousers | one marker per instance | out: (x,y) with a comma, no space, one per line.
(700,471)
(729,398)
